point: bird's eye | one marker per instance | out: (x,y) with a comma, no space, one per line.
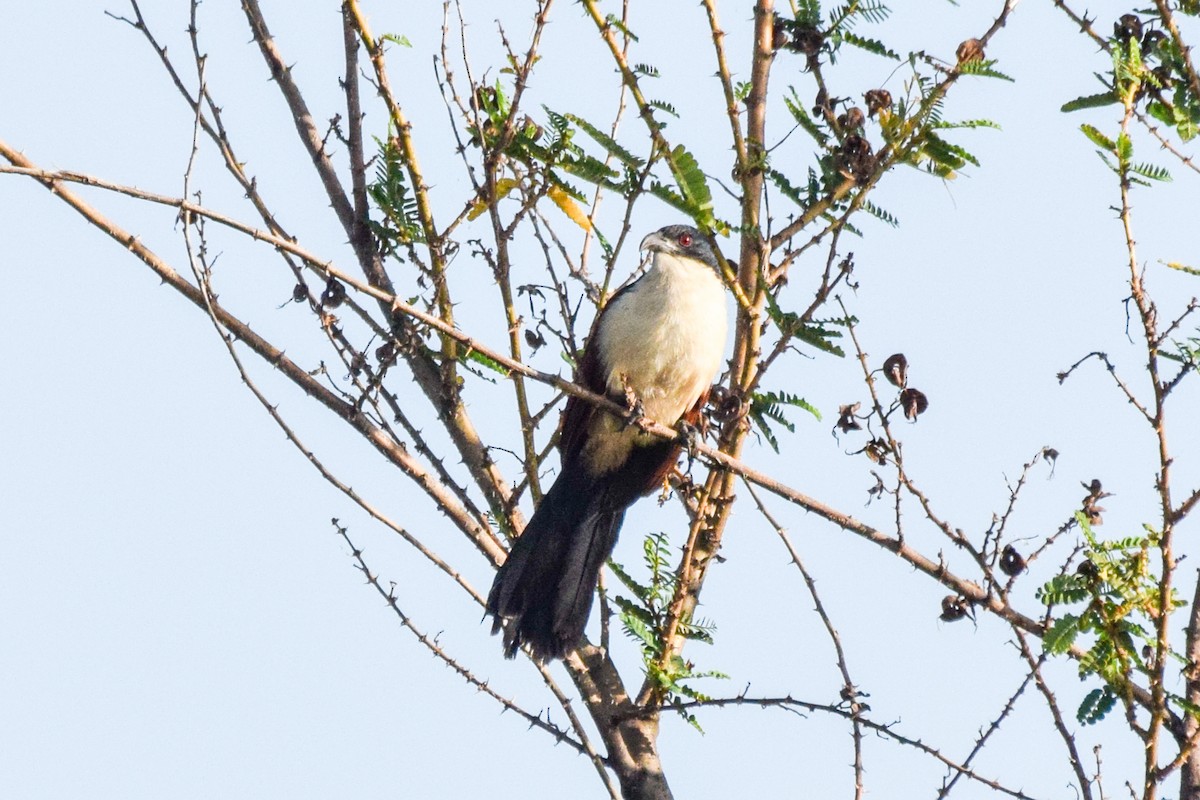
(685,239)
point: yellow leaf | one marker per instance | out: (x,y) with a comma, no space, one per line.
(503,188)
(569,207)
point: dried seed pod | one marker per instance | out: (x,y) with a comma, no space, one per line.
(779,34)
(877,100)
(807,40)
(857,160)
(877,450)
(1088,570)
(895,369)
(914,403)
(299,293)
(852,119)
(1012,563)
(1127,28)
(847,418)
(970,50)
(1152,39)
(385,354)
(954,608)
(534,339)
(334,294)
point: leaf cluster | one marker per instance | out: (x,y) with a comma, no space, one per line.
(1117,599)
(644,619)
(1150,72)
(399,224)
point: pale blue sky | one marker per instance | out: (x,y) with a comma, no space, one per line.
(178,618)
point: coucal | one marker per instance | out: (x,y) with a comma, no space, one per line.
(657,345)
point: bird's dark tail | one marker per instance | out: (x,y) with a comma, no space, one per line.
(543,593)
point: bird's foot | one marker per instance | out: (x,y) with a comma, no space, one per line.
(635,410)
(692,437)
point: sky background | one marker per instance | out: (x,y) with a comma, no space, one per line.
(178,618)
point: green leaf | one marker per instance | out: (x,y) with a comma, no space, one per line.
(1063,590)
(615,21)
(797,108)
(1124,147)
(468,356)
(757,416)
(786,188)
(669,196)
(1152,172)
(692,184)
(948,155)
(870,45)
(1096,705)
(1098,138)
(808,13)
(1062,634)
(967,123)
(1092,101)
(663,106)
(879,213)
(624,577)
(1190,708)
(607,142)
(1183,268)
(983,69)
(396,39)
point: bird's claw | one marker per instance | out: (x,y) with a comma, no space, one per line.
(692,437)
(635,410)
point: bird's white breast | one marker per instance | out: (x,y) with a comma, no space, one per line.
(663,338)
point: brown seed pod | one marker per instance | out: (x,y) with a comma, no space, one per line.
(847,418)
(857,160)
(877,100)
(1127,28)
(852,119)
(1152,39)
(895,369)
(334,294)
(914,403)
(807,40)
(954,608)
(970,50)
(385,354)
(1012,563)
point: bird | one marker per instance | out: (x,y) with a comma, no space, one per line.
(655,347)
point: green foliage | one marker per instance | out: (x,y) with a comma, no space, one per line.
(767,407)
(400,224)
(395,38)
(816,334)
(1116,599)
(694,186)
(1092,101)
(1096,705)
(870,45)
(1121,149)
(808,13)
(983,69)
(798,111)
(1139,77)
(644,620)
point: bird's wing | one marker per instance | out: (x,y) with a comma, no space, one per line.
(591,375)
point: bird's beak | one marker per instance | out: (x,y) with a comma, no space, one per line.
(655,243)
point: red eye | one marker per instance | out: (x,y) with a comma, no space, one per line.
(685,239)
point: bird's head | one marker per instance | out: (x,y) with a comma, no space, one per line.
(681,240)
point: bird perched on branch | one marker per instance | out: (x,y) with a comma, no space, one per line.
(656,347)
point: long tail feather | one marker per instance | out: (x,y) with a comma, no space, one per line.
(542,594)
